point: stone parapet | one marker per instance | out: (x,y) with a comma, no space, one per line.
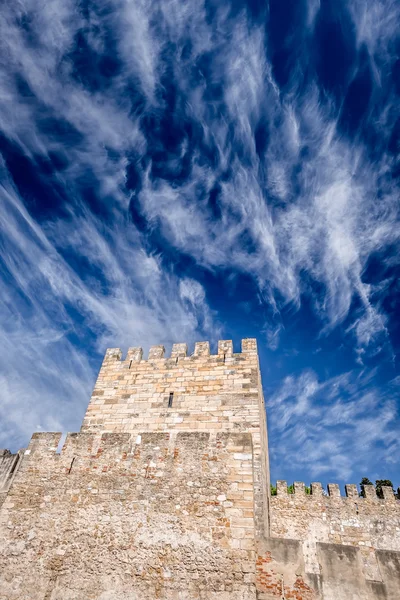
(338,537)
(323,545)
(201,392)
(333,491)
(131,516)
(180,351)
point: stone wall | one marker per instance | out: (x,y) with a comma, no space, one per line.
(165,494)
(9,465)
(331,547)
(210,393)
(119,516)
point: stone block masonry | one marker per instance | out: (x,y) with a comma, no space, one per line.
(201,392)
(114,516)
(164,494)
(329,546)
(210,393)
(156,497)
(9,464)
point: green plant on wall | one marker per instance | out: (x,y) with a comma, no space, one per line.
(378,486)
(364,481)
(379,483)
(290,489)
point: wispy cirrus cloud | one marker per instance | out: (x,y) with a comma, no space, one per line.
(324,218)
(140,136)
(53,320)
(342,427)
(331,204)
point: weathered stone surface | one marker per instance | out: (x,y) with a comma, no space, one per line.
(355,521)
(164,494)
(148,500)
(211,393)
(9,465)
(340,539)
(150,520)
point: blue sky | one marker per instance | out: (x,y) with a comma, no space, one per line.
(179,171)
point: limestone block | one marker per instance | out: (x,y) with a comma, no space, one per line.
(156,352)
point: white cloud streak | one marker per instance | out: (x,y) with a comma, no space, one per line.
(327,224)
(45,376)
(328,227)
(341,426)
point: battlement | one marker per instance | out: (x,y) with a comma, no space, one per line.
(180,351)
(117,450)
(197,392)
(366,523)
(9,464)
(130,516)
(165,491)
(333,492)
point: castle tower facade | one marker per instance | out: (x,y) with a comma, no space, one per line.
(164,494)
(161,494)
(200,393)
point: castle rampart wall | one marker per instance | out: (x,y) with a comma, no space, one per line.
(165,494)
(368,522)
(210,393)
(9,465)
(329,546)
(118,516)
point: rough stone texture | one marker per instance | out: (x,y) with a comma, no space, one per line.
(339,543)
(9,465)
(165,494)
(166,516)
(214,393)
(365,522)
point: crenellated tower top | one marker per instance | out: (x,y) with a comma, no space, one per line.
(180,350)
(200,391)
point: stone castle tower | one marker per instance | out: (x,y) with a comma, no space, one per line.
(164,494)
